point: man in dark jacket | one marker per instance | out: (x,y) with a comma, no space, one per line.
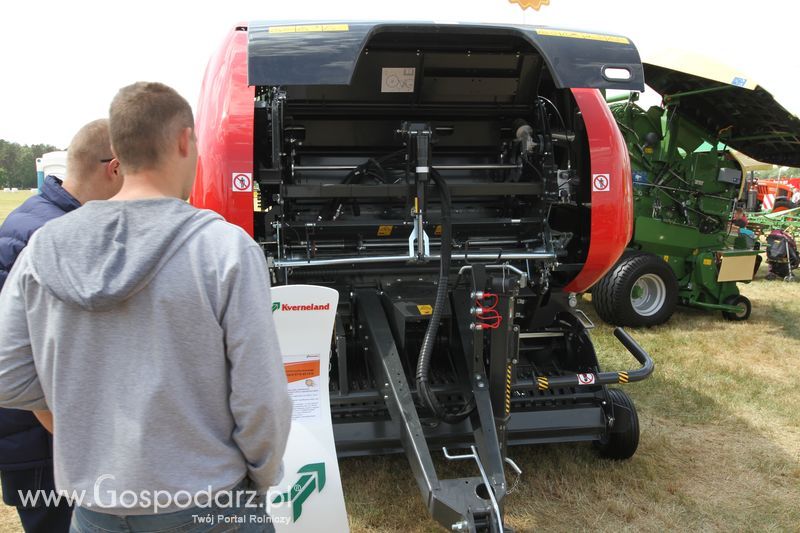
(26,457)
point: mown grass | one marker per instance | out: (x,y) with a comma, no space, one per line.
(10,200)
(719,451)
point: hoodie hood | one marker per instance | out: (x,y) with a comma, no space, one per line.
(105,252)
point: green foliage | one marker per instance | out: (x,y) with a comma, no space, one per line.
(18,163)
(778,172)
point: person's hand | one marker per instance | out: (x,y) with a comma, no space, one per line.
(45,418)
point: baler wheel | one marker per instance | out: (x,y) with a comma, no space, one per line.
(621,445)
(640,290)
(738,299)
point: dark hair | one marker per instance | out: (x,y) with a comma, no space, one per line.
(143,119)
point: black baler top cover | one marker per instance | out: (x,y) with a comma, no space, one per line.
(314,53)
(750,121)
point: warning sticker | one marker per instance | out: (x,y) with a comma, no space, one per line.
(384,231)
(601,183)
(397,80)
(583,35)
(425,309)
(242,182)
(309,28)
(586,379)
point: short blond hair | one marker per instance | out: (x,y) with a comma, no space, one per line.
(144,118)
(90,145)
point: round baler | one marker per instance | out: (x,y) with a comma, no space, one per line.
(687,183)
(457,184)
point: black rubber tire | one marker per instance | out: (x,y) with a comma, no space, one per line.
(624,444)
(737,299)
(612,294)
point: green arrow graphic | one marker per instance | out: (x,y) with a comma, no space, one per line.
(313,477)
(319,469)
(275,306)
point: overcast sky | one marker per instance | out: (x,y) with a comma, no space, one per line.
(62,62)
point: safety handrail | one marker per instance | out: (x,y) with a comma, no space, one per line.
(605,378)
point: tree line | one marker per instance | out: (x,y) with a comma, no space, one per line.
(778,172)
(18,163)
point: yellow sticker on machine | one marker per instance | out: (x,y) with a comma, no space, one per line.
(666,258)
(308,28)
(583,35)
(425,309)
(384,231)
(707,262)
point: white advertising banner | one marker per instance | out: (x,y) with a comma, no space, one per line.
(309,497)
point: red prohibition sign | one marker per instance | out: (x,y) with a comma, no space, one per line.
(241,182)
(601,182)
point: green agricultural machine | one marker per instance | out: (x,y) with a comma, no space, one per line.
(686,250)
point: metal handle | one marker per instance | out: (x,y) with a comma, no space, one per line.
(489,488)
(606,378)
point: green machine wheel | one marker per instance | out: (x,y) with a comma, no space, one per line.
(641,290)
(744,305)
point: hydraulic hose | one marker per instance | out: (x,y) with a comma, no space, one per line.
(424,362)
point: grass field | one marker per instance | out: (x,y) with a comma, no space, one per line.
(719,451)
(10,200)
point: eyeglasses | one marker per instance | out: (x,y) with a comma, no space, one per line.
(106,160)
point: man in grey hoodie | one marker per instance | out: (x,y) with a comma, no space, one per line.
(145,326)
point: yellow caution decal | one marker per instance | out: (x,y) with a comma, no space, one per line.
(583,35)
(385,231)
(543,383)
(666,258)
(707,262)
(508,389)
(623,377)
(425,309)
(309,28)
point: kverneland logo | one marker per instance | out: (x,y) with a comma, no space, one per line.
(308,307)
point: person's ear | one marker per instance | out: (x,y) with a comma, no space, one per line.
(185,141)
(112,169)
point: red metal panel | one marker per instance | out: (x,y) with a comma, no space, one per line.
(612,209)
(225,133)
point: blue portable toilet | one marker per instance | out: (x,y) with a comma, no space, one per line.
(39,174)
(53,164)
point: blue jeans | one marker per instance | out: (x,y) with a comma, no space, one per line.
(211,519)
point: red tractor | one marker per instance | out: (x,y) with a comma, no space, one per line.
(458,184)
(776,195)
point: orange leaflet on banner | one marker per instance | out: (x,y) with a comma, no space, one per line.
(299,370)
